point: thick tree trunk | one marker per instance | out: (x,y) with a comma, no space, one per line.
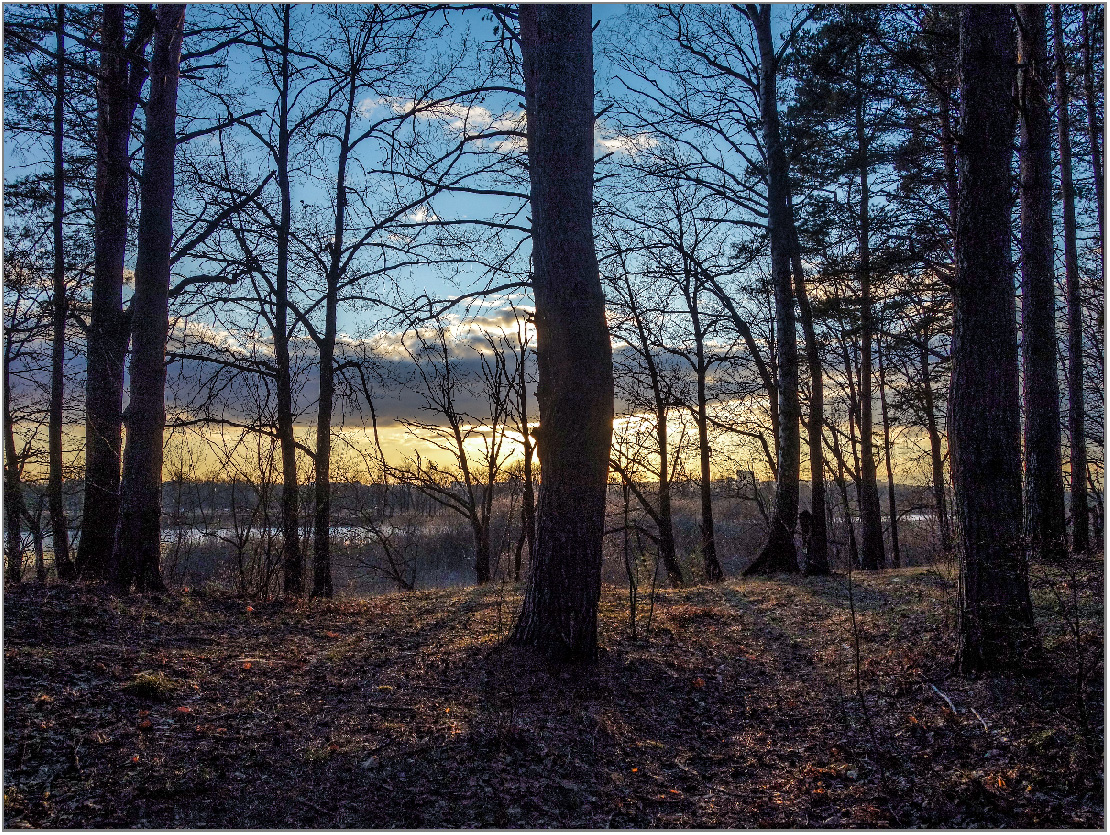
(1077,431)
(1044,482)
(292,562)
(59,310)
(138,540)
(817,536)
(779,554)
(122,73)
(482,562)
(895,547)
(575,391)
(872,554)
(984,420)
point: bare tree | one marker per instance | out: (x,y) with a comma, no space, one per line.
(575,392)
(123,70)
(138,539)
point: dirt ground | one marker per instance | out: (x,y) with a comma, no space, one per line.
(736,706)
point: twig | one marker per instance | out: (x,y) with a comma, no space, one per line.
(935,690)
(980,718)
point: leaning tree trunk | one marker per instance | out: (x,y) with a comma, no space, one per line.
(575,390)
(984,419)
(779,554)
(122,73)
(59,310)
(1044,482)
(1077,430)
(138,539)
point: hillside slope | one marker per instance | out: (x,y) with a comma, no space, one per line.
(738,707)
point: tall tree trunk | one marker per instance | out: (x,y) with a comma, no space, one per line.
(14,507)
(817,535)
(1077,431)
(712,565)
(292,562)
(936,455)
(59,528)
(575,391)
(984,420)
(895,547)
(1044,482)
(872,555)
(122,74)
(842,485)
(667,550)
(139,534)
(779,554)
(321,554)
(528,502)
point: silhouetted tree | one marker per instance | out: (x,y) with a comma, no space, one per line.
(575,391)
(138,538)
(984,419)
(123,70)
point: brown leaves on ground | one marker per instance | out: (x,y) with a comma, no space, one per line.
(739,708)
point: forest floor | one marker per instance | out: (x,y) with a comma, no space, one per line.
(738,707)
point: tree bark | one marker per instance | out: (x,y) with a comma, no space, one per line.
(575,392)
(138,539)
(122,73)
(1044,482)
(779,554)
(872,554)
(59,527)
(996,615)
(1077,431)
